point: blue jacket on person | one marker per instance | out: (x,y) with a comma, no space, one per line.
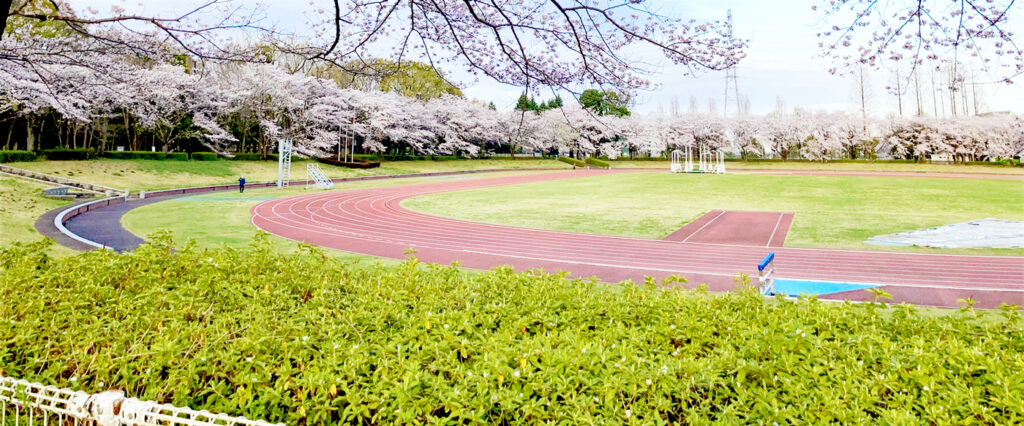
(241,180)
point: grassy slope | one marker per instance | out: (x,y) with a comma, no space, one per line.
(152,174)
(837,212)
(21,203)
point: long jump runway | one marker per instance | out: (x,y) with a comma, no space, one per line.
(372,221)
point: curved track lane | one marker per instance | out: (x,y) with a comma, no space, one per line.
(372,221)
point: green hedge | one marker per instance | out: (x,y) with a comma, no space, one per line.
(997,162)
(307,339)
(573,161)
(252,156)
(597,162)
(639,159)
(204,156)
(17,156)
(145,155)
(403,157)
(70,154)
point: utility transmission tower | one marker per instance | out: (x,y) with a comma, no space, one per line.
(732,90)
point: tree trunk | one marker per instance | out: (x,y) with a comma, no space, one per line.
(60,140)
(10,129)
(127,127)
(30,138)
(104,132)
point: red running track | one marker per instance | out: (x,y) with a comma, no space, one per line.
(764,229)
(372,221)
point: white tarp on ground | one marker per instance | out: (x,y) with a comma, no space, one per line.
(981,233)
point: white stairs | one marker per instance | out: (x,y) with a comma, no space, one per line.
(316,174)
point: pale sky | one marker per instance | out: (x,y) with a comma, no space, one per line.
(780,58)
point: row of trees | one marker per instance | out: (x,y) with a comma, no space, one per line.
(172,103)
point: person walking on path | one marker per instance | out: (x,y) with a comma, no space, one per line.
(241,184)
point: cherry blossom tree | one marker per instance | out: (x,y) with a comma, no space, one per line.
(563,135)
(465,125)
(783,134)
(825,138)
(595,135)
(176,104)
(710,133)
(531,131)
(745,132)
(646,134)
(274,98)
(1017,141)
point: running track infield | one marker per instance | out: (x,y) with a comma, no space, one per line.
(372,221)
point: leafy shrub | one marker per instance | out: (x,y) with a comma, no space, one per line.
(597,162)
(252,156)
(204,156)
(639,159)
(995,162)
(16,156)
(306,339)
(573,161)
(403,157)
(69,154)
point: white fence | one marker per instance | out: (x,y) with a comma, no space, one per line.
(25,403)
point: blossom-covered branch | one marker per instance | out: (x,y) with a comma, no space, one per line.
(917,32)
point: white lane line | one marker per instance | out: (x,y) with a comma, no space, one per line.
(705,225)
(769,243)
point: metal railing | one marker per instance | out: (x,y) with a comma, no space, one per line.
(26,403)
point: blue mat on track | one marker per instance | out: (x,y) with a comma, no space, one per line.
(821,288)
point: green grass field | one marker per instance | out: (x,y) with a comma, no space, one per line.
(834,212)
(21,203)
(153,174)
(880,166)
